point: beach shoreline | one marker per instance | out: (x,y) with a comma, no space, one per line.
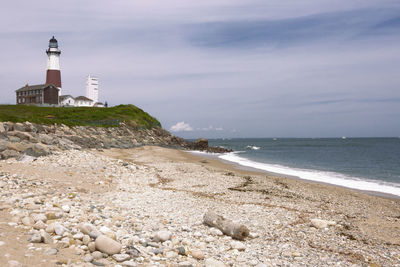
(256,170)
(136,193)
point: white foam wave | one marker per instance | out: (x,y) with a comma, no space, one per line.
(318,176)
(253,147)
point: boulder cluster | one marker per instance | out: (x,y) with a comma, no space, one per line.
(17,139)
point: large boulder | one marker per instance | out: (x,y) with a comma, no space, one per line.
(3,145)
(19,127)
(2,129)
(201,144)
(22,135)
(9,154)
(37,150)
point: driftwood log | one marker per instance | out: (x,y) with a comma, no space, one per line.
(228,227)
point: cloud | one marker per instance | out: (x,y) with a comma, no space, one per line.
(181,127)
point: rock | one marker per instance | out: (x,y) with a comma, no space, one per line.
(97,255)
(121,257)
(6,154)
(185,264)
(171,255)
(89,229)
(28,221)
(78,236)
(108,232)
(320,224)
(47,239)
(51,251)
(92,246)
(50,228)
(35,238)
(38,150)
(201,144)
(59,229)
(88,258)
(39,217)
(197,254)
(19,127)
(129,264)
(162,236)
(2,129)
(39,225)
(211,262)
(215,231)
(181,251)
(3,145)
(2,243)
(107,245)
(85,239)
(13,263)
(66,208)
(238,245)
(19,147)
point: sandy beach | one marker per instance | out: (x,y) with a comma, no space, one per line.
(151,201)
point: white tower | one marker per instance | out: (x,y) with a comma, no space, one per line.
(53,74)
(92,89)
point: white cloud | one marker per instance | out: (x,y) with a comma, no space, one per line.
(181,127)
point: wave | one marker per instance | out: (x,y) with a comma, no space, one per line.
(253,147)
(318,176)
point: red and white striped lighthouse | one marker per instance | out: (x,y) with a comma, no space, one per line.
(53,75)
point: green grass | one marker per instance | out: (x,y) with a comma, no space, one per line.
(79,116)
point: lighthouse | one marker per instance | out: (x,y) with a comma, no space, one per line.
(53,75)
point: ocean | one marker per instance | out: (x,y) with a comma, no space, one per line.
(371,164)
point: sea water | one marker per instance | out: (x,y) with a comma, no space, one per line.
(371,164)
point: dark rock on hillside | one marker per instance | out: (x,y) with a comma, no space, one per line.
(201,144)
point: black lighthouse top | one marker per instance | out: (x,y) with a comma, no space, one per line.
(53,47)
(53,43)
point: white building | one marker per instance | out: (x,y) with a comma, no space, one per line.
(66,100)
(82,101)
(92,89)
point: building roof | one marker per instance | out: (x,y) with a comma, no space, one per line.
(35,87)
(62,97)
(84,98)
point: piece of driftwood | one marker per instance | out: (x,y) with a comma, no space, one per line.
(228,227)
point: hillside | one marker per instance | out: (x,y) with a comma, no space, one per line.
(79,116)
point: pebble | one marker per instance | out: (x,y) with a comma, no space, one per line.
(107,245)
(2,243)
(51,251)
(35,238)
(66,208)
(28,221)
(197,254)
(121,257)
(47,239)
(162,236)
(97,255)
(211,262)
(88,258)
(39,225)
(215,231)
(321,224)
(238,245)
(129,264)
(171,255)
(59,229)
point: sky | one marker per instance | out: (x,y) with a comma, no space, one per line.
(219,68)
